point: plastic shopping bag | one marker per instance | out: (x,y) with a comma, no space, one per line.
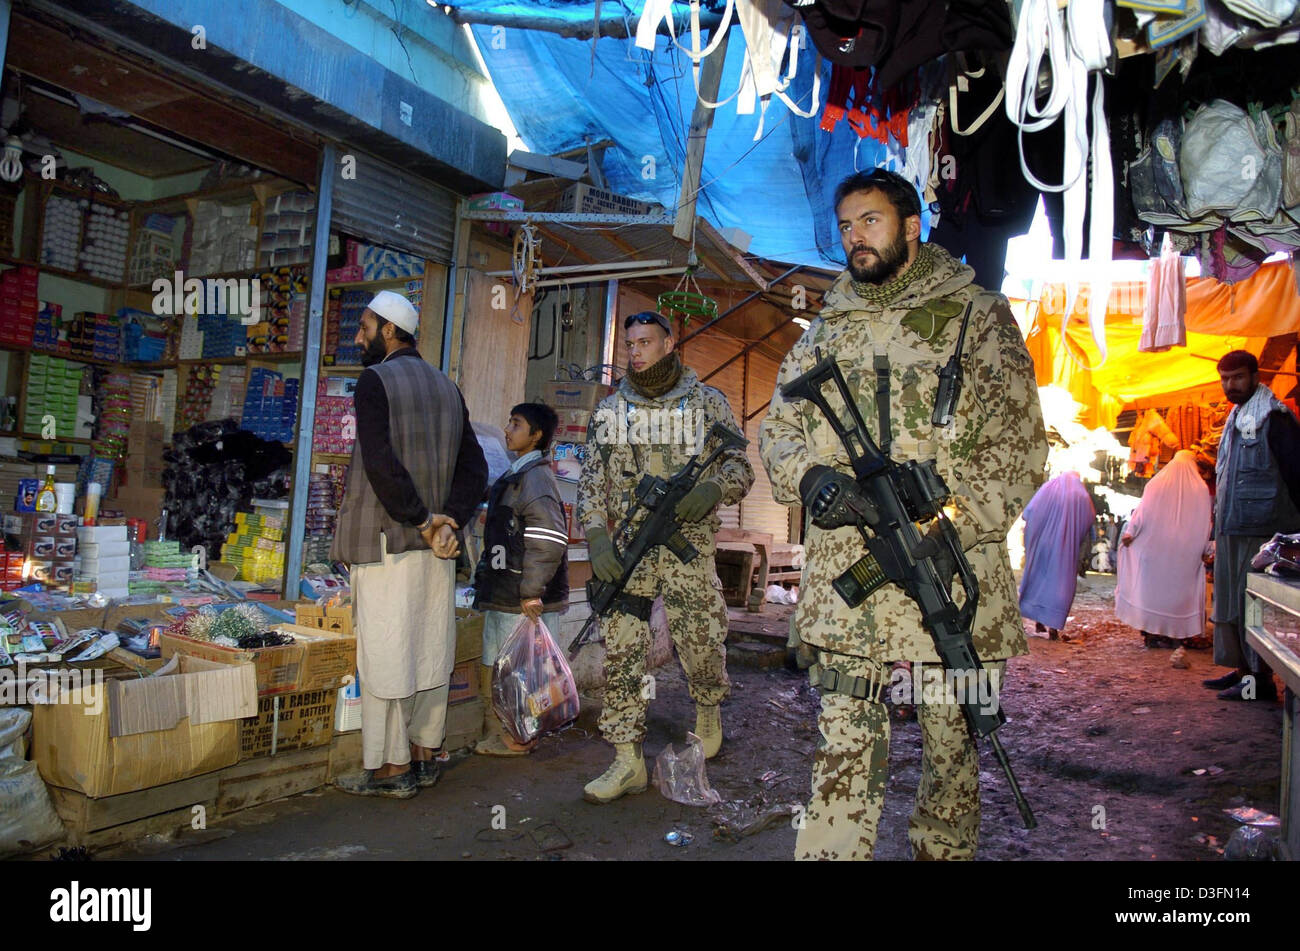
(27,817)
(532,687)
(681,777)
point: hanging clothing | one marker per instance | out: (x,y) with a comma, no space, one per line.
(1145,440)
(1161,584)
(1057,520)
(1165,310)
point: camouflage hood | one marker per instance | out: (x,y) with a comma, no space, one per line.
(947,277)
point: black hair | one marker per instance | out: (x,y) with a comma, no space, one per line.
(540,418)
(894,187)
(1235,360)
(401,335)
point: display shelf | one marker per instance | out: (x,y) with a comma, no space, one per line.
(346,368)
(36,437)
(79,277)
(256,189)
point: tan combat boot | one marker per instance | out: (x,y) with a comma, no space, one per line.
(625,775)
(708,727)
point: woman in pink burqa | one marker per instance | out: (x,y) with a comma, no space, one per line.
(1161,586)
(1057,520)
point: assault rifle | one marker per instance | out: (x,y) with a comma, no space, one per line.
(659,497)
(903,495)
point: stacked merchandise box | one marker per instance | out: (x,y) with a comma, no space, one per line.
(256,548)
(103,249)
(52,389)
(352,305)
(49,544)
(335,428)
(227,400)
(191,342)
(49,332)
(144,337)
(114,415)
(333,309)
(211,392)
(288,223)
(61,232)
(324,496)
(270,405)
(381,264)
(165,564)
(221,335)
(586,199)
(105,559)
(154,253)
(167,403)
(18,305)
(284,292)
(222,238)
(12,473)
(96,337)
(144,456)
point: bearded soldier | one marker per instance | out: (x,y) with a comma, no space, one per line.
(653,424)
(892,320)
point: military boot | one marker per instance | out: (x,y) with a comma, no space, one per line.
(708,727)
(625,775)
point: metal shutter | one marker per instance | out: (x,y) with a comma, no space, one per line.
(395,209)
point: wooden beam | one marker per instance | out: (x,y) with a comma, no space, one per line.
(725,247)
(701,122)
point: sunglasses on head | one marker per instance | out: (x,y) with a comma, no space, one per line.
(648,317)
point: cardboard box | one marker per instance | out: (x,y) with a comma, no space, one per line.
(574,394)
(337,618)
(572,425)
(347,710)
(469,635)
(144,732)
(464,683)
(464,724)
(317,660)
(294,721)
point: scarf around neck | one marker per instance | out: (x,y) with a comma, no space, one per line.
(884,294)
(1244,422)
(658,378)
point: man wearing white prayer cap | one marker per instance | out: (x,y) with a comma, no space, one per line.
(417,474)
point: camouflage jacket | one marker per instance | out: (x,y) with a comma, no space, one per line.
(631,435)
(991,455)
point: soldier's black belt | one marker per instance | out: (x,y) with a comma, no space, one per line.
(830,680)
(633,604)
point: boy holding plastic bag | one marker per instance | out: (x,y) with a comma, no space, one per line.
(524,568)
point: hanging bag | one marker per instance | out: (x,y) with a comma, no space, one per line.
(532,687)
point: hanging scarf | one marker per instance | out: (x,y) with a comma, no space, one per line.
(658,378)
(884,294)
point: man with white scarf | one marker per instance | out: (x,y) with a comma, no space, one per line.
(1257,478)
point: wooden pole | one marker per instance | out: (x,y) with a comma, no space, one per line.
(701,122)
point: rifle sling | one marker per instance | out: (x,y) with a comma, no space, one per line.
(882,402)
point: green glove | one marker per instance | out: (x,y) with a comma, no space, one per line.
(604,562)
(699,502)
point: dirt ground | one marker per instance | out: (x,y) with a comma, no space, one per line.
(1099,721)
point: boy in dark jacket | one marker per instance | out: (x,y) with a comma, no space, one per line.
(524,569)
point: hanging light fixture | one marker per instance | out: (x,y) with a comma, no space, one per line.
(11,164)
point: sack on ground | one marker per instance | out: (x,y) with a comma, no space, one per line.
(27,817)
(532,687)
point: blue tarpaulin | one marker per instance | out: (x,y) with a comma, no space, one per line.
(779,189)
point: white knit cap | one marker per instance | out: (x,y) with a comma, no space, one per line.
(397,310)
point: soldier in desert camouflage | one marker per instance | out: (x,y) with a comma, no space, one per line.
(895,316)
(653,424)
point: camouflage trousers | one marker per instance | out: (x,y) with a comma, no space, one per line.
(851,768)
(697,622)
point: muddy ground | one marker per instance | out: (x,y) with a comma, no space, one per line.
(1099,721)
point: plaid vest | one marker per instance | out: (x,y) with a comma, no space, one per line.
(424,426)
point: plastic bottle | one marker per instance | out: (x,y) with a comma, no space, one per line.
(46,499)
(93,491)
